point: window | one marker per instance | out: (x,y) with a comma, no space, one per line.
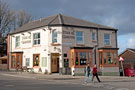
(104,58)
(109,58)
(76,62)
(65,55)
(79,37)
(115,59)
(36,38)
(36,60)
(17,43)
(83,58)
(106,39)
(27,61)
(18,60)
(13,62)
(54,36)
(89,58)
(93,36)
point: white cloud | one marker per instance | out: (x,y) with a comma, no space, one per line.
(131,43)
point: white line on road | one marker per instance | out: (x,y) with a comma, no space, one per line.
(17,76)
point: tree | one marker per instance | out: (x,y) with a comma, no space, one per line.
(22,18)
(6,17)
(11,20)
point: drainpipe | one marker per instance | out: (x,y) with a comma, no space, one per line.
(96,46)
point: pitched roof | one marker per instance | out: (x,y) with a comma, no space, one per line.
(128,49)
(60,20)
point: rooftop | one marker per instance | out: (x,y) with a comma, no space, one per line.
(58,20)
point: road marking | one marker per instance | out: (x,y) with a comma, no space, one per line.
(17,76)
(9,85)
(122,89)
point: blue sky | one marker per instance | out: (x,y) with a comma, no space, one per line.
(119,14)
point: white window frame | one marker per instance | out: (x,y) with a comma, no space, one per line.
(79,36)
(54,31)
(107,39)
(17,43)
(36,39)
(94,36)
(26,61)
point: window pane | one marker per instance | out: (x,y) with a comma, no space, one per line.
(93,36)
(36,38)
(83,58)
(115,59)
(54,37)
(79,37)
(76,63)
(27,61)
(104,58)
(107,39)
(36,60)
(109,58)
(17,41)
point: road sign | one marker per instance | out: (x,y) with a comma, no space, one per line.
(121,59)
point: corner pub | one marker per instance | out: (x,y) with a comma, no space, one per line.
(60,44)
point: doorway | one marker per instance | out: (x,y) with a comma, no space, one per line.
(54,62)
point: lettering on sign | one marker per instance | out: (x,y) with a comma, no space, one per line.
(26,39)
(70,34)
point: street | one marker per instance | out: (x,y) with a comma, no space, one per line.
(24,81)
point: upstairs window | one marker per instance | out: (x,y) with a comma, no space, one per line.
(106,39)
(93,36)
(36,38)
(17,41)
(54,36)
(79,37)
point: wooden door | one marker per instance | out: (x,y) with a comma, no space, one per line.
(54,63)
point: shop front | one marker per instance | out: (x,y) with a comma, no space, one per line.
(80,57)
(108,61)
(16,60)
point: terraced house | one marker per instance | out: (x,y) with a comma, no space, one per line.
(60,44)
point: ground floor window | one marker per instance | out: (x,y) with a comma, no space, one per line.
(108,57)
(36,60)
(27,61)
(13,64)
(81,57)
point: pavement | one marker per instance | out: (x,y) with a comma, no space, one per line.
(107,82)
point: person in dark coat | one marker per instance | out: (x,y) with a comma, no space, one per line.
(95,73)
(87,73)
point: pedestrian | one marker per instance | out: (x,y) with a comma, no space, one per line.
(87,73)
(95,73)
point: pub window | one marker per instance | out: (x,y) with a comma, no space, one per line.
(93,36)
(36,38)
(54,36)
(76,62)
(36,60)
(89,57)
(109,58)
(106,39)
(13,61)
(79,37)
(17,41)
(104,58)
(18,60)
(27,61)
(115,59)
(83,58)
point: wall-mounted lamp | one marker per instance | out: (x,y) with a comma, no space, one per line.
(22,33)
(29,32)
(43,29)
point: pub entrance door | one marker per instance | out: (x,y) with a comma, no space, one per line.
(54,62)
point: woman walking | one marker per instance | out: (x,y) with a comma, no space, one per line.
(95,73)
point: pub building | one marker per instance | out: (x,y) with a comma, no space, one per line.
(61,44)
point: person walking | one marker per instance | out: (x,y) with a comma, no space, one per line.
(95,73)
(87,73)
